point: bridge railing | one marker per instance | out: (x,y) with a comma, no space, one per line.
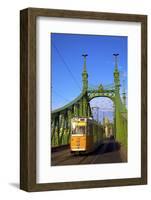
(61,119)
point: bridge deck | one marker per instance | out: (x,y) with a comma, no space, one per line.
(108,152)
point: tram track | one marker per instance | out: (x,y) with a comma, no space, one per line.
(108,152)
(57,155)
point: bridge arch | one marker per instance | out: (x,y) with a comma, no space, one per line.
(103,108)
(105,96)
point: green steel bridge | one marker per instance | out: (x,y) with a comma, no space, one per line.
(80,107)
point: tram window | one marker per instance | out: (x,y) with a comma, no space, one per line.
(79,130)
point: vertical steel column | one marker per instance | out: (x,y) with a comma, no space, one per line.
(62,129)
(75,110)
(81,107)
(69,113)
(58,128)
(52,131)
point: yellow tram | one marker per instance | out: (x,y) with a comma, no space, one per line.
(86,134)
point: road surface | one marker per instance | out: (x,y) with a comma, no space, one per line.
(108,152)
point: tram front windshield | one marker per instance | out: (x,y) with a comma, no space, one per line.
(79,130)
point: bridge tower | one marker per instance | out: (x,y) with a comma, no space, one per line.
(117,90)
(124,94)
(116,75)
(119,106)
(84,75)
(85,107)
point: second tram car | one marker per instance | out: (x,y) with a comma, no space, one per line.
(86,134)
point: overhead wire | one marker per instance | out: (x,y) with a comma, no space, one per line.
(61,96)
(66,65)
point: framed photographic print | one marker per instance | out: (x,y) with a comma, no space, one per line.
(83,99)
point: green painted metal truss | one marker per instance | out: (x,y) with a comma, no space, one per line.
(80,106)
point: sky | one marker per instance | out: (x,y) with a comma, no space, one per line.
(67,65)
